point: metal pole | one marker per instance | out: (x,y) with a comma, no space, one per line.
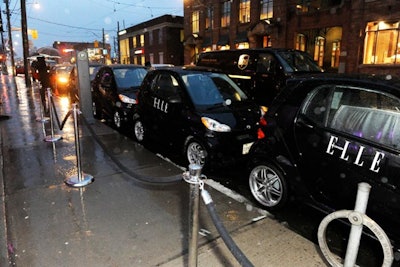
(10,41)
(194,172)
(25,43)
(81,179)
(356,224)
(52,137)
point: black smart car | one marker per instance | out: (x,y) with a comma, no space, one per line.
(202,113)
(261,72)
(114,92)
(326,134)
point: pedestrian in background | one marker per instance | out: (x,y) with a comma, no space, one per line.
(44,77)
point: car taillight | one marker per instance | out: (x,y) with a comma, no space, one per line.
(260,134)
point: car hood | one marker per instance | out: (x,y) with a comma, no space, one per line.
(238,116)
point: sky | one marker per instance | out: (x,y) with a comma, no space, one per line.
(82,20)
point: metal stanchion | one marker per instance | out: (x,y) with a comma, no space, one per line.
(193,177)
(52,137)
(42,117)
(80,179)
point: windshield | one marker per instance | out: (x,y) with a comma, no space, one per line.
(211,89)
(299,62)
(129,77)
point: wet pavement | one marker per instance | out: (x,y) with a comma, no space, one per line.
(134,213)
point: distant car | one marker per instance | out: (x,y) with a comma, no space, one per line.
(114,92)
(62,78)
(19,69)
(202,113)
(326,134)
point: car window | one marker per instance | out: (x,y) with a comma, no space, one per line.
(164,86)
(296,61)
(128,77)
(266,63)
(210,89)
(363,113)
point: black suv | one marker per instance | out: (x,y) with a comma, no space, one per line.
(325,134)
(202,113)
(262,72)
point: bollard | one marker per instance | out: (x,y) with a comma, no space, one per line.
(80,179)
(194,180)
(356,224)
(52,137)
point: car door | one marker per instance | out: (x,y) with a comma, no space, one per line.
(347,135)
(160,107)
(107,90)
(267,78)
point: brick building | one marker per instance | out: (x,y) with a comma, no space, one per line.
(348,36)
(158,41)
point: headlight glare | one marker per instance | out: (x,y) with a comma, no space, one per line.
(214,125)
(126,99)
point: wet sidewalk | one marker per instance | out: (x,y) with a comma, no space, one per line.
(136,211)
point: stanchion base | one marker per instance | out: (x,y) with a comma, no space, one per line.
(75,182)
(53,138)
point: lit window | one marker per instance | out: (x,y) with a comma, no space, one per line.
(226,14)
(266,9)
(382,44)
(244,11)
(195,21)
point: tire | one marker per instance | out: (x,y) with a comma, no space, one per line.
(96,109)
(268,186)
(196,153)
(139,131)
(117,119)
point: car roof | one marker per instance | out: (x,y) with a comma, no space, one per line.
(124,66)
(388,81)
(187,69)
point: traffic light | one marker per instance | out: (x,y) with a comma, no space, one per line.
(34,34)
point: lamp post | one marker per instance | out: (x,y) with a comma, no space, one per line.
(25,43)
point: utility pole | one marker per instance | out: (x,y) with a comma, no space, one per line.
(25,43)
(10,41)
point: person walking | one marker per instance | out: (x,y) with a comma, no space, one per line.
(44,78)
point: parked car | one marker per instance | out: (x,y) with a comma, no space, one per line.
(202,113)
(323,136)
(62,78)
(262,73)
(114,92)
(19,69)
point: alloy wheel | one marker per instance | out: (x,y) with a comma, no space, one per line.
(268,186)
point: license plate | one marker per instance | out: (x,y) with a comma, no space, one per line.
(246,148)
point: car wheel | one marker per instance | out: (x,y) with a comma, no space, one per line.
(139,131)
(196,153)
(268,186)
(96,110)
(117,119)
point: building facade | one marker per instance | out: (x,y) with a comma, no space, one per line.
(97,51)
(345,36)
(157,41)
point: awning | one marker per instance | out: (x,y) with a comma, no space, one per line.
(241,37)
(223,40)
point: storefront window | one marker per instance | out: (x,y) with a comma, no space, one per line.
(382,45)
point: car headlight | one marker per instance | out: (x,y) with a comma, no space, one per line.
(214,125)
(62,80)
(126,99)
